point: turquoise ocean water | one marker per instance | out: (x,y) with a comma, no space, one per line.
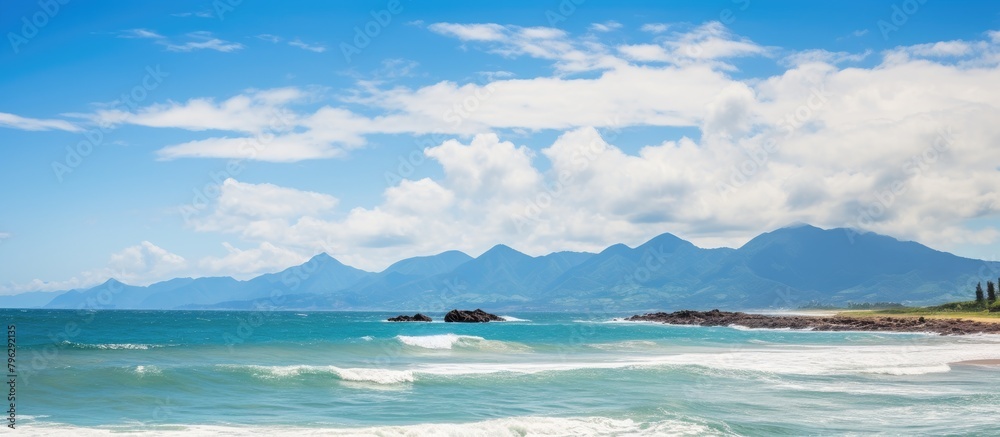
(350,373)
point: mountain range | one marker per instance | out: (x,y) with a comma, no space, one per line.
(785,268)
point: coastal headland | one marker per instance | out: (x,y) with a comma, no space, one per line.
(839,322)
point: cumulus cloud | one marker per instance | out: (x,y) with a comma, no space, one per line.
(145,260)
(902,146)
(240,204)
(147,263)
(593,194)
(248,263)
(141,264)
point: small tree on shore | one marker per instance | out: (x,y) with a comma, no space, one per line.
(979,293)
(991,292)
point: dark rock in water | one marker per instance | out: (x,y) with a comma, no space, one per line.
(818,323)
(477,316)
(415,318)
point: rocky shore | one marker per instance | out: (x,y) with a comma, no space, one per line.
(466,316)
(414,318)
(834,323)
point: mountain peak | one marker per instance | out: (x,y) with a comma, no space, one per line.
(618,248)
(502,250)
(797,225)
(111,282)
(428,265)
(665,241)
(322,257)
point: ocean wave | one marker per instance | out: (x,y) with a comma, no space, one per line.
(111,346)
(373,375)
(146,370)
(540,426)
(454,341)
(911,370)
(826,360)
(747,328)
(627,344)
(513,319)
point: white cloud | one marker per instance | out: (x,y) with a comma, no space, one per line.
(147,263)
(818,142)
(994,36)
(655,27)
(823,56)
(199,14)
(35,124)
(142,264)
(940,49)
(253,112)
(547,43)
(143,261)
(248,263)
(242,203)
(645,52)
(268,37)
(204,41)
(470,32)
(140,33)
(606,26)
(318,48)
(712,41)
(200,40)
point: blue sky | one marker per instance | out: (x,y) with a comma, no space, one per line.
(147,140)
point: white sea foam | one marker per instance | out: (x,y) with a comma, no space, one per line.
(378,376)
(816,360)
(453,341)
(442,341)
(146,370)
(540,426)
(747,328)
(911,370)
(373,375)
(112,346)
(513,319)
(626,345)
(367,338)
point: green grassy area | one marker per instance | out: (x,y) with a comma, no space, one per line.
(965,310)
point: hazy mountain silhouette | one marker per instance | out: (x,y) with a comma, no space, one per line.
(787,267)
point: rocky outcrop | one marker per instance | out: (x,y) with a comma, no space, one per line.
(414,318)
(835,323)
(477,316)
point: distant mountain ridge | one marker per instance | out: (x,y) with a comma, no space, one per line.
(784,268)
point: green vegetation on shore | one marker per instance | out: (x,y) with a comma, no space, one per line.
(986,305)
(969,309)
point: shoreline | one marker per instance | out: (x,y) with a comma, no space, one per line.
(937,316)
(838,322)
(987,362)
